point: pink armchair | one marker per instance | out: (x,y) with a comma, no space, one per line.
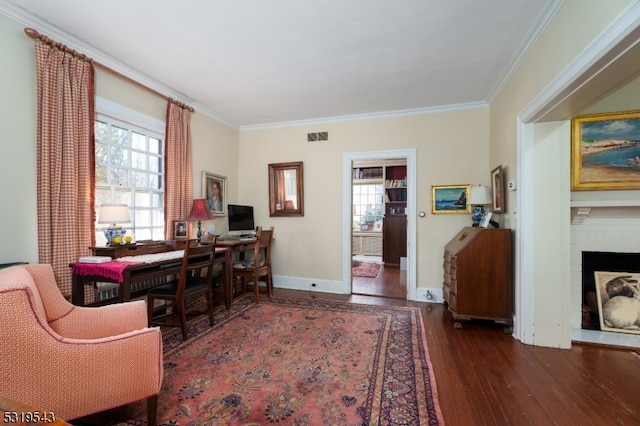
(70,360)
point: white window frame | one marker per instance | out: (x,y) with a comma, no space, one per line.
(133,121)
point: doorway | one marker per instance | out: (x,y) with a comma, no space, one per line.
(363,243)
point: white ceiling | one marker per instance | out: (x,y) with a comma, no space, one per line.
(258,63)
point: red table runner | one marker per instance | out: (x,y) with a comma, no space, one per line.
(113,270)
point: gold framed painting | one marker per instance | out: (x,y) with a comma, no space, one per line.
(605,151)
(450,199)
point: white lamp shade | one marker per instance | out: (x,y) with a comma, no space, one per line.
(114,213)
(480,195)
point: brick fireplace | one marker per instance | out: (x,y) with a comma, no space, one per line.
(610,227)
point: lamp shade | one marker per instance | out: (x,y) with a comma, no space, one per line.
(480,195)
(114,213)
(200,210)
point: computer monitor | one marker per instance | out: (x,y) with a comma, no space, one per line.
(241,220)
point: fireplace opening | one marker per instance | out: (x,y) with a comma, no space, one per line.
(601,261)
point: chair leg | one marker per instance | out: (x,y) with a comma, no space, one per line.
(150,302)
(269,283)
(209,295)
(152,410)
(256,289)
(183,323)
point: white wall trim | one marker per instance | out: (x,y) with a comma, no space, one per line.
(347,159)
(599,54)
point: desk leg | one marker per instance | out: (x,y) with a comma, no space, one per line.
(77,290)
(228,282)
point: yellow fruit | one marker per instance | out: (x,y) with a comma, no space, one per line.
(127,239)
(117,240)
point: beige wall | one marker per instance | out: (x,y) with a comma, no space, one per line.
(573,28)
(451,149)
(215,145)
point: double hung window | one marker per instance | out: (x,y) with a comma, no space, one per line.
(129,150)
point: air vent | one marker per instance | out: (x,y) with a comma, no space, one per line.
(319,136)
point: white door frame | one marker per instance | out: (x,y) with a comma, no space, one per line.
(347,160)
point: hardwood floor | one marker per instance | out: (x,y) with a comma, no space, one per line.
(390,282)
(486,377)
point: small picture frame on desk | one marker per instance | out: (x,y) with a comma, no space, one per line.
(180,230)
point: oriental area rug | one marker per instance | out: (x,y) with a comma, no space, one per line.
(365,269)
(295,362)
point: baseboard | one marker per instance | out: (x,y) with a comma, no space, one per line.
(432,295)
(308,284)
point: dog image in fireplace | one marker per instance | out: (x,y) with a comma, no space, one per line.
(621,310)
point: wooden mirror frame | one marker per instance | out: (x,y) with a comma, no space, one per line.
(276,172)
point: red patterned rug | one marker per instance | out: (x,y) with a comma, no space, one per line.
(296,362)
(365,269)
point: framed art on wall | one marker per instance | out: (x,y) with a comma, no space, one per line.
(497,189)
(450,199)
(605,151)
(214,190)
(618,296)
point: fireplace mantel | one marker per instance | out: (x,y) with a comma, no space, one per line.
(581,210)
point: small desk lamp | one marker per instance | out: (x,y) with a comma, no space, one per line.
(479,197)
(113,214)
(200,211)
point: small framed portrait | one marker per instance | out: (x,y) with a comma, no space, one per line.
(214,190)
(497,188)
(180,230)
(450,199)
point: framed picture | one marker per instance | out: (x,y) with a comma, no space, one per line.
(497,189)
(450,199)
(214,190)
(486,219)
(605,151)
(180,230)
(618,301)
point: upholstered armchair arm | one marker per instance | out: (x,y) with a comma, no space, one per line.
(73,377)
(101,321)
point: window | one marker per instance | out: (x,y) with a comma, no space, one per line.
(367,206)
(129,169)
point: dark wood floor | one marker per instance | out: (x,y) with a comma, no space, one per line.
(390,282)
(486,377)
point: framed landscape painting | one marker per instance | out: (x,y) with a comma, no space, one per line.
(605,151)
(450,199)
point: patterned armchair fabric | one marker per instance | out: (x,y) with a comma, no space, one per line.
(72,360)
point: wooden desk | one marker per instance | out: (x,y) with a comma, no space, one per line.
(239,246)
(146,272)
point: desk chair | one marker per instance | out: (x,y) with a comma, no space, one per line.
(258,265)
(184,292)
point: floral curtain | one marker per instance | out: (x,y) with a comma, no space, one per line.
(178,189)
(65,158)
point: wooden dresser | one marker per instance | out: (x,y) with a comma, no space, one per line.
(478,274)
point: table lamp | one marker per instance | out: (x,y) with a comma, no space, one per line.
(114,214)
(479,197)
(200,211)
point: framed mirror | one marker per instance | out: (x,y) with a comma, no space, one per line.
(286,194)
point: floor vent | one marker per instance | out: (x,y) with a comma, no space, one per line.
(319,136)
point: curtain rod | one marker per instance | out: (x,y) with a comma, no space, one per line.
(34,34)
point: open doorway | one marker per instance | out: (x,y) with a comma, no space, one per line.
(379,231)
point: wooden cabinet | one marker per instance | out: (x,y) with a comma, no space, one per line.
(478,274)
(394,239)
